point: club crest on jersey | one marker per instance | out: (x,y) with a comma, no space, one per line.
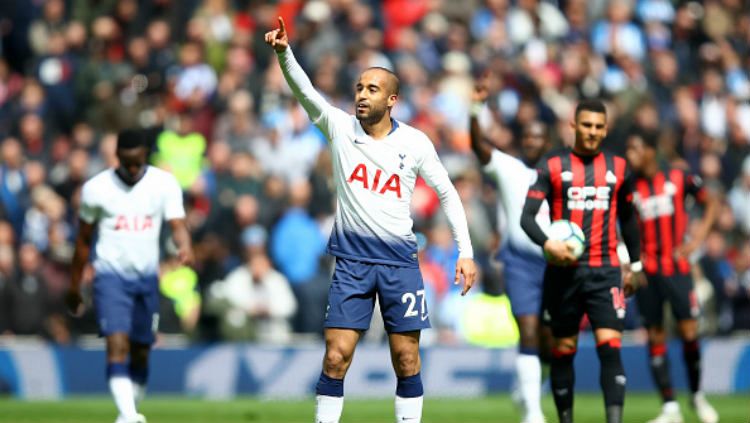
(402,157)
(133,223)
(566,176)
(360,174)
(610,177)
(670,188)
(588,198)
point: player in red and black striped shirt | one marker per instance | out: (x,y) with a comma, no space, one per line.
(593,189)
(660,196)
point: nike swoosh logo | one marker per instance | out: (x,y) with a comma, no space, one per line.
(424,317)
(358,142)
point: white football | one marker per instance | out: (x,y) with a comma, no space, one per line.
(565,230)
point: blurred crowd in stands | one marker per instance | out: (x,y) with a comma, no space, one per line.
(257,176)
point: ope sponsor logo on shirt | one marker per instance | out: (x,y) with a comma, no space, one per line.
(588,198)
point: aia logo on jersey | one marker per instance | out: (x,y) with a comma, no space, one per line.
(134,223)
(374,183)
(588,198)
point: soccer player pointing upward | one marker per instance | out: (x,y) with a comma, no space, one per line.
(594,190)
(376,161)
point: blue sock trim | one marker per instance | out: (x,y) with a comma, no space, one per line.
(138,375)
(528,351)
(410,387)
(117,369)
(329,386)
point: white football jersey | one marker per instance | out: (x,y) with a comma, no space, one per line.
(513,179)
(128,219)
(375,180)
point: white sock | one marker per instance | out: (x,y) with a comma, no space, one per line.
(409,409)
(671,407)
(122,391)
(328,409)
(529,374)
(139,392)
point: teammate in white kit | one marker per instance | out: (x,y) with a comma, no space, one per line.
(125,206)
(376,161)
(524,262)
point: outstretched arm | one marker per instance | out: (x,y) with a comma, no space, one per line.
(313,103)
(437,177)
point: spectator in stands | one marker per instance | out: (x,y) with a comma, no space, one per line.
(739,198)
(28,301)
(7,276)
(301,264)
(255,301)
(618,34)
(180,151)
(180,300)
(738,288)
(13,186)
(195,81)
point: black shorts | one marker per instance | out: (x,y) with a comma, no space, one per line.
(677,290)
(569,292)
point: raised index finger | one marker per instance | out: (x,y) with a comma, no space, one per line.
(282,27)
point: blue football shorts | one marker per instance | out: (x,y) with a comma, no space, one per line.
(399,290)
(524,278)
(127,305)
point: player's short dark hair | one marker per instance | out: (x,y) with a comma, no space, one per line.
(591,105)
(396,80)
(649,137)
(132,138)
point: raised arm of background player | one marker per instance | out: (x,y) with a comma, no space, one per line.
(478,145)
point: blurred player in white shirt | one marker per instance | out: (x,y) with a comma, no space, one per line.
(376,161)
(523,260)
(125,207)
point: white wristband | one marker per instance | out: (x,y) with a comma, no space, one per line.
(476,109)
(636,267)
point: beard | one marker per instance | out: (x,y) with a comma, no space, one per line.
(371,116)
(590,145)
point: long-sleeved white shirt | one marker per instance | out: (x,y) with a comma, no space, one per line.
(513,179)
(375,180)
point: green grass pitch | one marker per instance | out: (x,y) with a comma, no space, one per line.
(497,409)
